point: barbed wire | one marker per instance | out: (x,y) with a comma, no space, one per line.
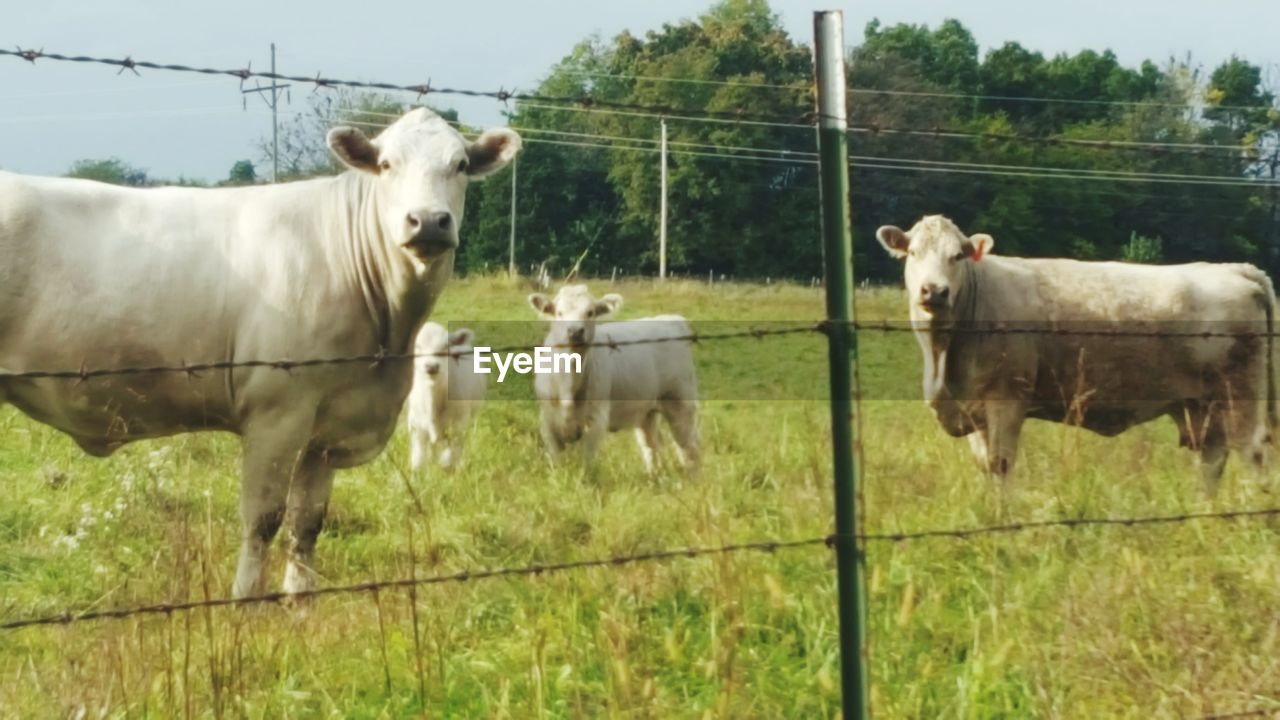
(421,90)
(766,546)
(166,608)
(379,358)
(1273,711)
(586,101)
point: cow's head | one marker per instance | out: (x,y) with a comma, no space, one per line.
(421,167)
(436,348)
(935,252)
(573,314)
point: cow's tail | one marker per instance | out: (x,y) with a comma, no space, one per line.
(1271,357)
(1269,304)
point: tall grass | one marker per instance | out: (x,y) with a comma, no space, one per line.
(1138,623)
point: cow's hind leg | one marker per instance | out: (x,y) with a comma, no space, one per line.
(649,440)
(1201,429)
(682,416)
(308,501)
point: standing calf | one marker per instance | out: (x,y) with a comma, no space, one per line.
(625,386)
(446,395)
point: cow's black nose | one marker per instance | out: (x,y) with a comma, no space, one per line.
(934,294)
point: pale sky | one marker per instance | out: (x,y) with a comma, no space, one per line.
(176,124)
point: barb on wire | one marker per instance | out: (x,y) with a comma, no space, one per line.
(318,81)
(376,359)
(767,546)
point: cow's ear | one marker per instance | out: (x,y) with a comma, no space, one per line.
(354,149)
(979,245)
(462,336)
(608,304)
(492,151)
(895,241)
(542,305)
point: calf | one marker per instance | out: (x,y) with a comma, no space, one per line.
(623,382)
(446,394)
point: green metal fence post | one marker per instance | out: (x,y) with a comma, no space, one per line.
(833,154)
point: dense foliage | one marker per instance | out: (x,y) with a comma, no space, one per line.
(755,218)
(588,181)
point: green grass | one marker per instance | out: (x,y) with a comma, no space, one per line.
(1167,621)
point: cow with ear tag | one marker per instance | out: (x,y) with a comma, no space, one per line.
(102,277)
(1101,345)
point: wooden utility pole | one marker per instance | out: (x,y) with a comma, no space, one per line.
(662,209)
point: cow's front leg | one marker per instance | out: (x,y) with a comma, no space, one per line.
(267,469)
(309,499)
(978,446)
(1004,428)
(597,426)
(550,437)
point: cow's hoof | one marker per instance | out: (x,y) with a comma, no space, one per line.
(298,579)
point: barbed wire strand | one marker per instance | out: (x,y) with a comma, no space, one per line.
(166,608)
(376,359)
(805,118)
(423,89)
(766,546)
(1273,711)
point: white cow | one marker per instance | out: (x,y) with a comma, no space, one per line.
(99,276)
(446,394)
(621,384)
(1219,390)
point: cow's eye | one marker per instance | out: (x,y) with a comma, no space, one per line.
(385,165)
(462,166)
(959,256)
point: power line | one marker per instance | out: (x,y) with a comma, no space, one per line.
(1024,98)
(910,93)
(903,164)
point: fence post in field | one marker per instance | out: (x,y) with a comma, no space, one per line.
(833,156)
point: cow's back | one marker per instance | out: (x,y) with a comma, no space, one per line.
(1114,343)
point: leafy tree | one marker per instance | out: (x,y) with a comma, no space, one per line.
(242,173)
(112,170)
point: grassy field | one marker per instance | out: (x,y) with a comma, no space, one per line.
(1171,621)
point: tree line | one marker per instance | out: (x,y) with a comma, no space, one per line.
(586,199)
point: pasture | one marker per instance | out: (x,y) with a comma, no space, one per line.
(1164,621)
